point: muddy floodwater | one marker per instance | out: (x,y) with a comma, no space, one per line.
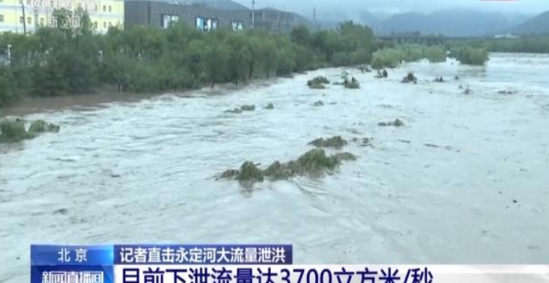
(465,180)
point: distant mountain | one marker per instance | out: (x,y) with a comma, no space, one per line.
(536,25)
(370,19)
(218,4)
(452,22)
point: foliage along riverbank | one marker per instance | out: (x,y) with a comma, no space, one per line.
(393,56)
(62,61)
(525,44)
(15,130)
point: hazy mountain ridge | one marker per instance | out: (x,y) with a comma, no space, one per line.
(536,25)
(454,22)
(216,4)
(450,22)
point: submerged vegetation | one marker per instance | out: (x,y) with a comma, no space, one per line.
(350,83)
(318,103)
(314,162)
(318,82)
(14,130)
(392,57)
(242,108)
(336,142)
(409,78)
(470,55)
(396,123)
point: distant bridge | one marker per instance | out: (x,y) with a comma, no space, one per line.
(422,39)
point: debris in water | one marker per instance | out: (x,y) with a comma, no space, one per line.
(242,108)
(396,123)
(229,174)
(386,106)
(269,106)
(456,78)
(318,103)
(349,83)
(507,92)
(61,211)
(410,78)
(250,107)
(382,74)
(318,82)
(336,142)
(532,247)
(438,146)
(467,90)
(364,69)
(363,141)
(236,111)
(318,86)
(345,156)
(352,84)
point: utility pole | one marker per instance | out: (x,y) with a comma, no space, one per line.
(314,17)
(278,29)
(9,54)
(24,18)
(253,14)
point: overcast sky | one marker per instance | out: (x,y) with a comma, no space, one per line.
(394,6)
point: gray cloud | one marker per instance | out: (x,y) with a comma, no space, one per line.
(352,8)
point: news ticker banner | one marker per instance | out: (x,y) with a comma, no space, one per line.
(243,264)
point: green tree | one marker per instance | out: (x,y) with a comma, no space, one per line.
(239,57)
(216,59)
(301,35)
(268,53)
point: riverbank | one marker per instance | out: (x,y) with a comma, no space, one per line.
(32,105)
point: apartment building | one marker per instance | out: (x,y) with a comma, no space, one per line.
(208,16)
(27,15)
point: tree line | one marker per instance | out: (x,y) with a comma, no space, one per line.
(391,57)
(524,44)
(66,61)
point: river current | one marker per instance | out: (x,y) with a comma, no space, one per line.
(465,180)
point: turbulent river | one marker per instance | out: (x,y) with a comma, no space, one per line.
(465,180)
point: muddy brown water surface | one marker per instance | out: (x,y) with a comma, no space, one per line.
(465,180)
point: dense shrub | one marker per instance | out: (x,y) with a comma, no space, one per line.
(61,61)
